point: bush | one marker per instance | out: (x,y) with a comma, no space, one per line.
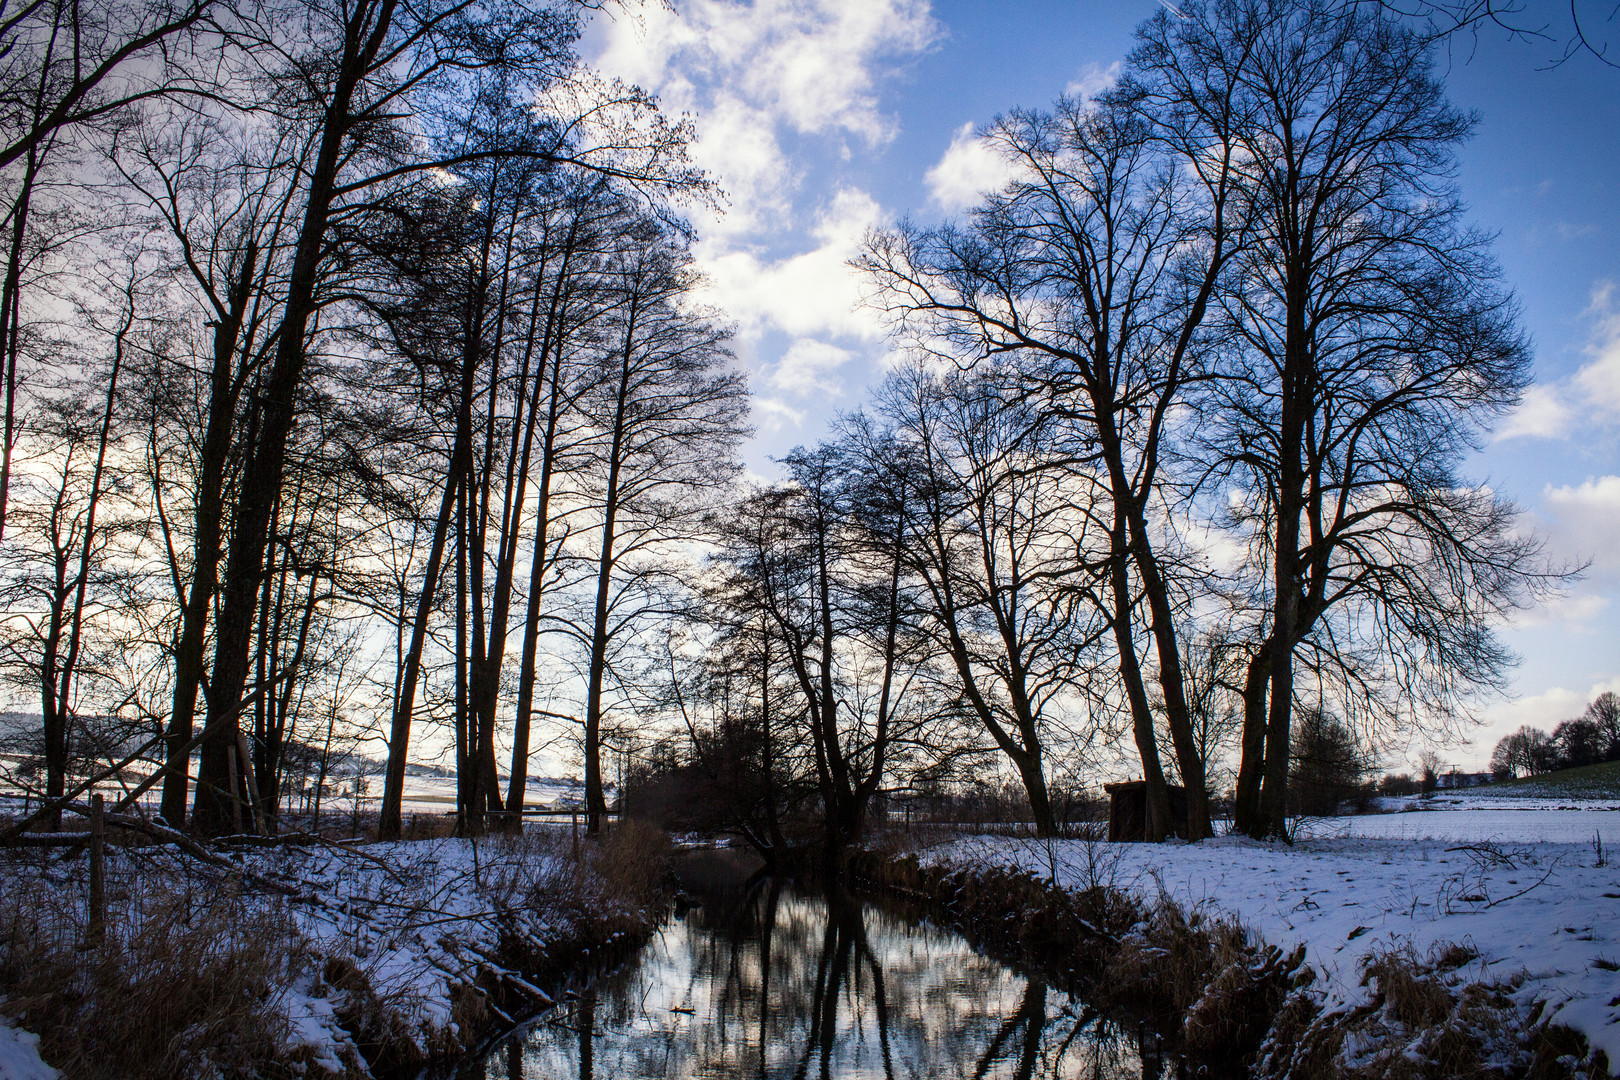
(1327,764)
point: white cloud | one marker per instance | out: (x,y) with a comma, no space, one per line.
(1592,395)
(1541,415)
(970,167)
(1573,612)
(774,413)
(809,294)
(1094,80)
(748,71)
(809,367)
(1599,381)
(1585,521)
(757,177)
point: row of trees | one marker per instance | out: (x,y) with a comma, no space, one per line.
(344,342)
(1589,739)
(1174,457)
(349,345)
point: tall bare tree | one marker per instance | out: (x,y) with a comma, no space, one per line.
(667,415)
(1005,537)
(1369,343)
(1094,271)
(386,68)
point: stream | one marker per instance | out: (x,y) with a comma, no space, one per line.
(760,977)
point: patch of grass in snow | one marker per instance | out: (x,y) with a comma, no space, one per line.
(1587,782)
(1425,1020)
(188,978)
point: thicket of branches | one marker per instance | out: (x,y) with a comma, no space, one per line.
(343,343)
(356,387)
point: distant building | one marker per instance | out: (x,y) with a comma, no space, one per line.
(1456,778)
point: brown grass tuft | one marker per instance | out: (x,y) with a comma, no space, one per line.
(183,985)
(632,861)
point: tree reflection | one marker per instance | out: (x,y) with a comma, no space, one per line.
(764,980)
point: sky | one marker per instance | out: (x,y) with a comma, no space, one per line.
(823,118)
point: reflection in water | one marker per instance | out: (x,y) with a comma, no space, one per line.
(772,981)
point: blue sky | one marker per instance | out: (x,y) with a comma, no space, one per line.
(821,118)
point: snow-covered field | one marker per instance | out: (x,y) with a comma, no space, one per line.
(425,795)
(1523,888)
(1519,825)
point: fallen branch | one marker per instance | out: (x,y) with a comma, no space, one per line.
(1542,880)
(164,834)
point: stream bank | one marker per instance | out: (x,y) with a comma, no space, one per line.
(1226,1001)
(315,959)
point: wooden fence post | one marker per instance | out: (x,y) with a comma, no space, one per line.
(96,931)
(575,816)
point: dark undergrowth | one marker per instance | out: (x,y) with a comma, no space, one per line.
(193,974)
(1232,1005)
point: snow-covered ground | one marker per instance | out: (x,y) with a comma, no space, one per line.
(1516,825)
(1540,909)
(421,921)
(416,918)
(436,794)
(19,1055)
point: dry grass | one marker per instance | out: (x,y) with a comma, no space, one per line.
(1425,1020)
(1236,1006)
(187,981)
(631,863)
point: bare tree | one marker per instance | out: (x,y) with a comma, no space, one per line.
(1369,343)
(219,189)
(61,582)
(67,70)
(1093,272)
(829,590)
(1005,539)
(400,92)
(668,416)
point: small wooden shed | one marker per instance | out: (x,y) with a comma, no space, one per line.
(1127,811)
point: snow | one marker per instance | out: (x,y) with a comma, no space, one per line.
(416,918)
(1540,908)
(1517,825)
(19,1055)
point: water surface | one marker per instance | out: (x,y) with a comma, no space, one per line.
(765,979)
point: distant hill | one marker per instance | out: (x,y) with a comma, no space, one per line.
(1586,782)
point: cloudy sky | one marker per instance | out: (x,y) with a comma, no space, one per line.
(821,118)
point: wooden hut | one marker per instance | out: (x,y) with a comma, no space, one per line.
(1127,811)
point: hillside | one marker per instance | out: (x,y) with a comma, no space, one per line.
(1587,782)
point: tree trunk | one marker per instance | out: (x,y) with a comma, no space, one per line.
(524,711)
(207,531)
(595,797)
(1251,763)
(261,479)
(1157,825)
(399,732)
(11,324)
(1272,821)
